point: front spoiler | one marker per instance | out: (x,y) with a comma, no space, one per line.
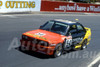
(49,50)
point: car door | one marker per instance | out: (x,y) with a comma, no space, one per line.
(80,32)
(74,33)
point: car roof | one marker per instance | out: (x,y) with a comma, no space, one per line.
(65,21)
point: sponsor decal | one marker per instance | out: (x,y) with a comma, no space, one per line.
(76,7)
(19,5)
(0,4)
(77,40)
(37,35)
(69,7)
(40,34)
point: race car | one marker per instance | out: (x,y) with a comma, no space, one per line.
(56,36)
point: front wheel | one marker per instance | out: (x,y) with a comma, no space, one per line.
(58,51)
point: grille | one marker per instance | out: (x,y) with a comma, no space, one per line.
(35,41)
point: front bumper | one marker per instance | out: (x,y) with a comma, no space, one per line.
(49,50)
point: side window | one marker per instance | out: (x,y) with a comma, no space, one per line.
(79,28)
(48,25)
(73,29)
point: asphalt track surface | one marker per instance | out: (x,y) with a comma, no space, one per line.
(12,26)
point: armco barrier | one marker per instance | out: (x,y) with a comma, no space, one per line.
(19,5)
(53,6)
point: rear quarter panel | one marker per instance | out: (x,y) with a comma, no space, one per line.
(87,35)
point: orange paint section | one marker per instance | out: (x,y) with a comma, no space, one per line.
(48,36)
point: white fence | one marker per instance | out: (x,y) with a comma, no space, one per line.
(19,5)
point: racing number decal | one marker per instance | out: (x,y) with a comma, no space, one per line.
(68,42)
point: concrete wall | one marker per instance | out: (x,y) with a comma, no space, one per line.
(19,5)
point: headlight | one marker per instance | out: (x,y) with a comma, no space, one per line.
(24,37)
(43,43)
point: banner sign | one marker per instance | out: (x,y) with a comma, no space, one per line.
(69,7)
(19,5)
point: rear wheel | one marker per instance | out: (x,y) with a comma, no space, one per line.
(58,51)
(84,45)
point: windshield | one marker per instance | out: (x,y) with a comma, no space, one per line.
(55,27)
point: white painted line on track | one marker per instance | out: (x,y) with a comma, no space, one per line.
(99,65)
(94,61)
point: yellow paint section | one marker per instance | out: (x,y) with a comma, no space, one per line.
(87,36)
(78,46)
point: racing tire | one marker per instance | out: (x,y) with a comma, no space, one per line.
(57,51)
(84,45)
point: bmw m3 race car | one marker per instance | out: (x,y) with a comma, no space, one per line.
(56,36)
